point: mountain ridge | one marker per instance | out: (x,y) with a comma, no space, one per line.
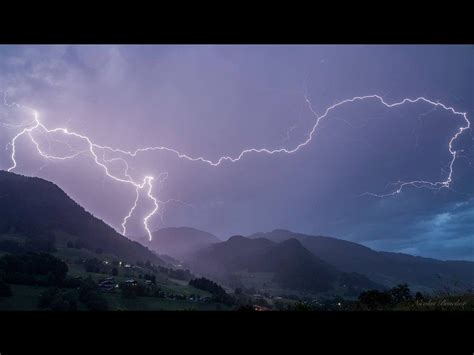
(31,205)
(292,265)
(386,268)
(178,242)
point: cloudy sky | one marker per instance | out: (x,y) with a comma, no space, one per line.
(213,101)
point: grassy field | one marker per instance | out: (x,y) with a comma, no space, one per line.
(27,297)
(117,302)
(24,298)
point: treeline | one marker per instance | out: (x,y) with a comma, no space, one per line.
(218,293)
(36,243)
(374,299)
(178,274)
(40,269)
(83,291)
(33,269)
(398,298)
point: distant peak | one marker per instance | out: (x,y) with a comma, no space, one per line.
(286,231)
(236,238)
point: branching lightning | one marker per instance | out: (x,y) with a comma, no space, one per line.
(147,183)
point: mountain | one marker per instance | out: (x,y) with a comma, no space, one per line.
(31,206)
(180,241)
(386,268)
(291,265)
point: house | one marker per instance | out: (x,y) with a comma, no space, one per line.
(108,284)
(131,282)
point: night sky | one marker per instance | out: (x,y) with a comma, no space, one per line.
(218,100)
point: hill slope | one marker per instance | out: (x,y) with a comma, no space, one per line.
(179,242)
(293,266)
(385,268)
(33,206)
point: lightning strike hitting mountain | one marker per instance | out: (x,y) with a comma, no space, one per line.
(146,184)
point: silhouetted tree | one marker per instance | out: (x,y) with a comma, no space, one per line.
(218,293)
(400,293)
(419,296)
(374,299)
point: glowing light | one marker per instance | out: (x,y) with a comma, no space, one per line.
(93,148)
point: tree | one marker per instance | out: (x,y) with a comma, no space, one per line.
(72,298)
(419,296)
(87,286)
(31,268)
(400,293)
(90,296)
(219,294)
(57,300)
(374,299)
(72,282)
(97,302)
(93,265)
(47,297)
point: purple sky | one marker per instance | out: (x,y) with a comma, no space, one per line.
(218,100)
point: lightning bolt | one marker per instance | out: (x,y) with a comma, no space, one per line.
(147,181)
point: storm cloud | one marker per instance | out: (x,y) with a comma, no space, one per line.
(218,100)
